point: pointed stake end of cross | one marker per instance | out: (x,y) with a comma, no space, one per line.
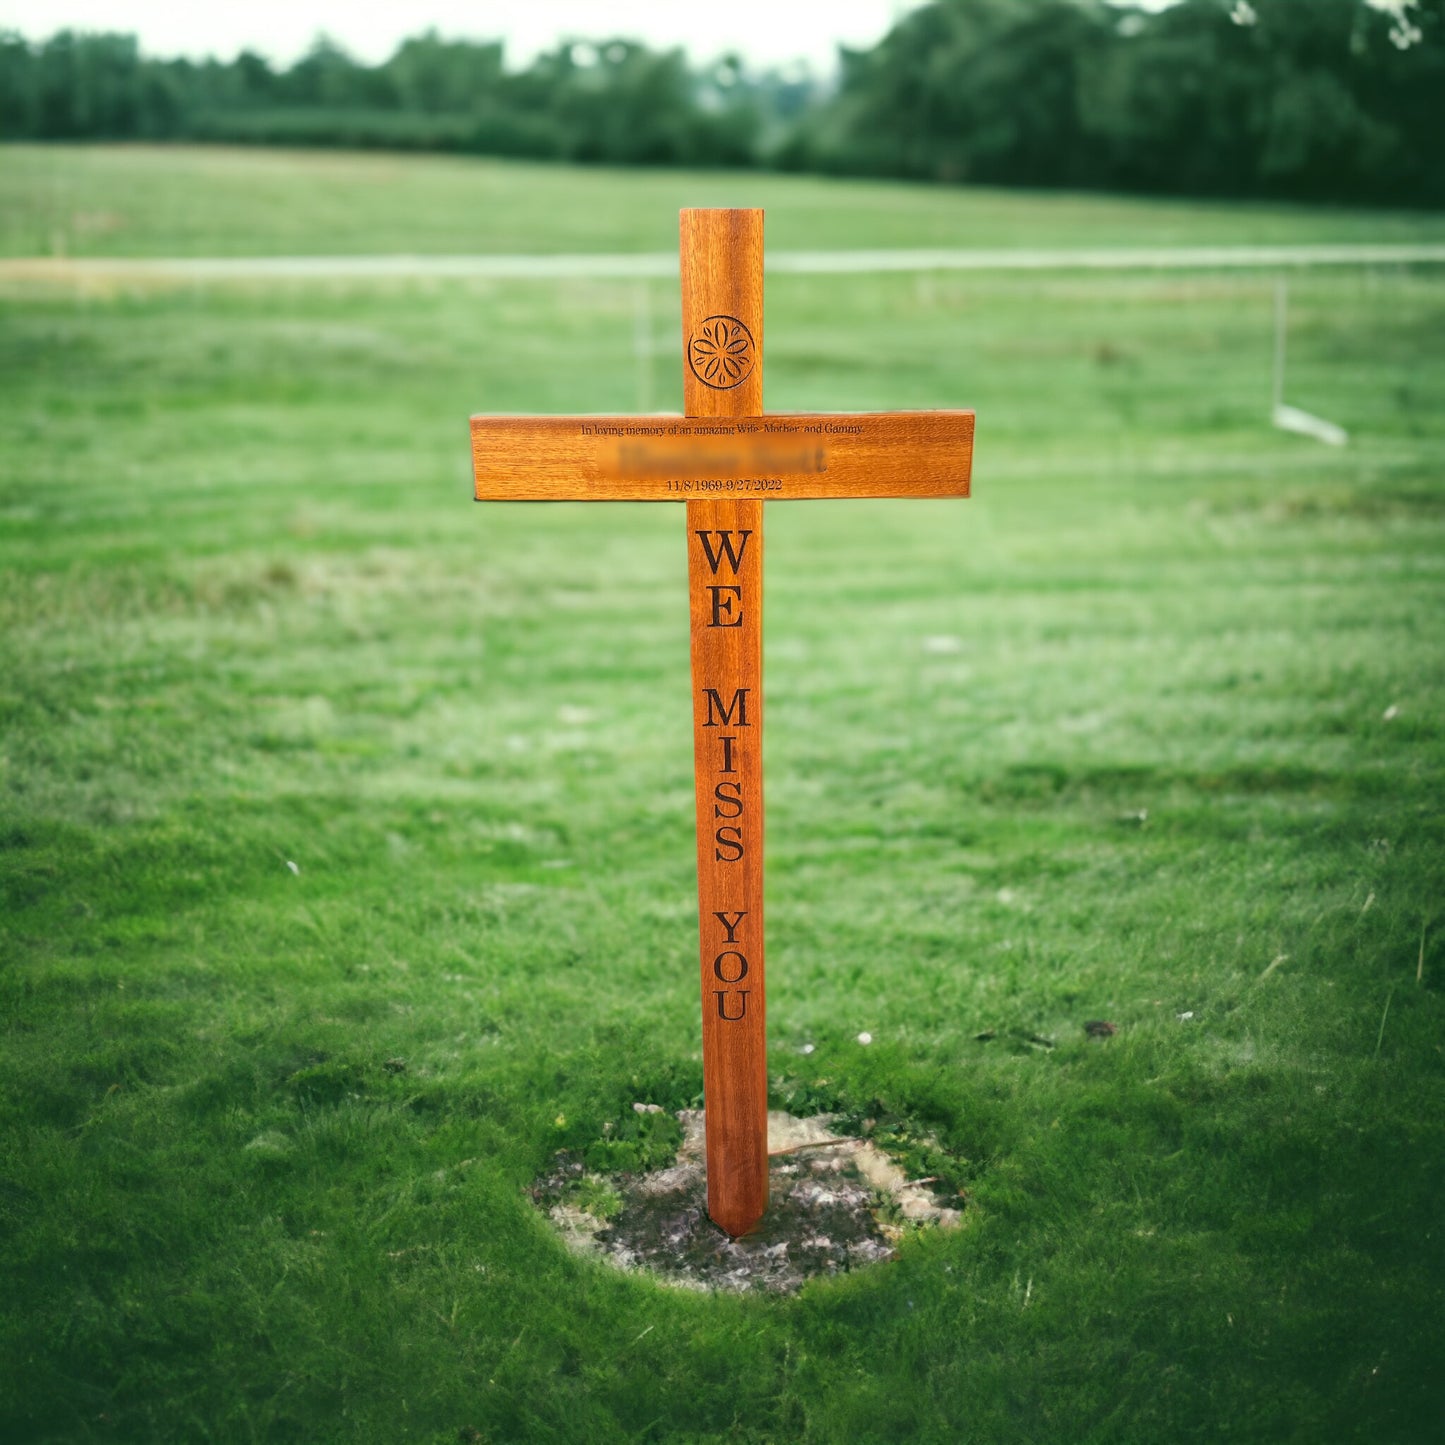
(735,1212)
(735,1225)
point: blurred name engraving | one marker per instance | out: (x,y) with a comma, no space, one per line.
(748,453)
(727,457)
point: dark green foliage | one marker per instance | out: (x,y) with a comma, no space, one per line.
(1306,99)
(1318,99)
(616,101)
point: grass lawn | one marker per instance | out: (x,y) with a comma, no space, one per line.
(217,201)
(346,829)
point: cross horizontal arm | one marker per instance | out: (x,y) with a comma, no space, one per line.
(780,456)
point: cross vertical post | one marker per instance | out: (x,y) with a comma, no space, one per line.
(721,458)
(722,329)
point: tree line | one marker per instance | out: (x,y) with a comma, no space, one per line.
(1326,100)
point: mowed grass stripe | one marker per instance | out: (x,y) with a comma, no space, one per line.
(136,200)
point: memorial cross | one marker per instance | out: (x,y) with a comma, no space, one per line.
(724,458)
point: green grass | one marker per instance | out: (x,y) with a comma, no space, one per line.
(265,1134)
(217,201)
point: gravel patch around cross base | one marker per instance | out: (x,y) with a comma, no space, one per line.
(836,1203)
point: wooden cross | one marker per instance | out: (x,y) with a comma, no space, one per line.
(724,458)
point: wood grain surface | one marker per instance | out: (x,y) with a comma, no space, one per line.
(724,458)
(722,333)
(778,457)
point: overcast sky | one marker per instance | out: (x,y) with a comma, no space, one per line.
(765,32)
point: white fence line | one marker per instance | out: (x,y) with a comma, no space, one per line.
(1123,258)
(643,265)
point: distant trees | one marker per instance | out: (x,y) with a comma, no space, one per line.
(1340,100)
(616,101)
(1310,99)
(79,85)
(984,91)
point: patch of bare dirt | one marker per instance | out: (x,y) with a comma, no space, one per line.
(836,1203)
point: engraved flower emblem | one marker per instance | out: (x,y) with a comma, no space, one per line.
(721,352)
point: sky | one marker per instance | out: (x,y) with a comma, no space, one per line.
(764,32)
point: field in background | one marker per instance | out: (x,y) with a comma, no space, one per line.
(345,827)
(190,201)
